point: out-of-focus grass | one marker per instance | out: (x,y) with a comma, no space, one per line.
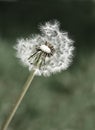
(65,101)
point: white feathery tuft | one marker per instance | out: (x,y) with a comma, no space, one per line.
(56,48)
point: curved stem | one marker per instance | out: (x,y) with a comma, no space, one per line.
(15,107)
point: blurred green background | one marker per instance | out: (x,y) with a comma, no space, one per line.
(64,101)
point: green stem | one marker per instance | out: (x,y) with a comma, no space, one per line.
(22,94)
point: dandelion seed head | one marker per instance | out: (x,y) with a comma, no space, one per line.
(52,48)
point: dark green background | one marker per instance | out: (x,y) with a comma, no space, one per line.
(64,101)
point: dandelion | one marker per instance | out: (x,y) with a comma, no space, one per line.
(52,48)
(44,54)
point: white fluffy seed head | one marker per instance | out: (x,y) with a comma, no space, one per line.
(56,45)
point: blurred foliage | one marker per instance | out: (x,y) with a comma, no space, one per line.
(65,101)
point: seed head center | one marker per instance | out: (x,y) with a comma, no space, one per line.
(45,49)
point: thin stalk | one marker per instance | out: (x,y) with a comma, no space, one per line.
(21,96)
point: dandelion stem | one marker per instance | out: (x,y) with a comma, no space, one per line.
(21,96)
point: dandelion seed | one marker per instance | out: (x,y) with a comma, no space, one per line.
(52,46)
